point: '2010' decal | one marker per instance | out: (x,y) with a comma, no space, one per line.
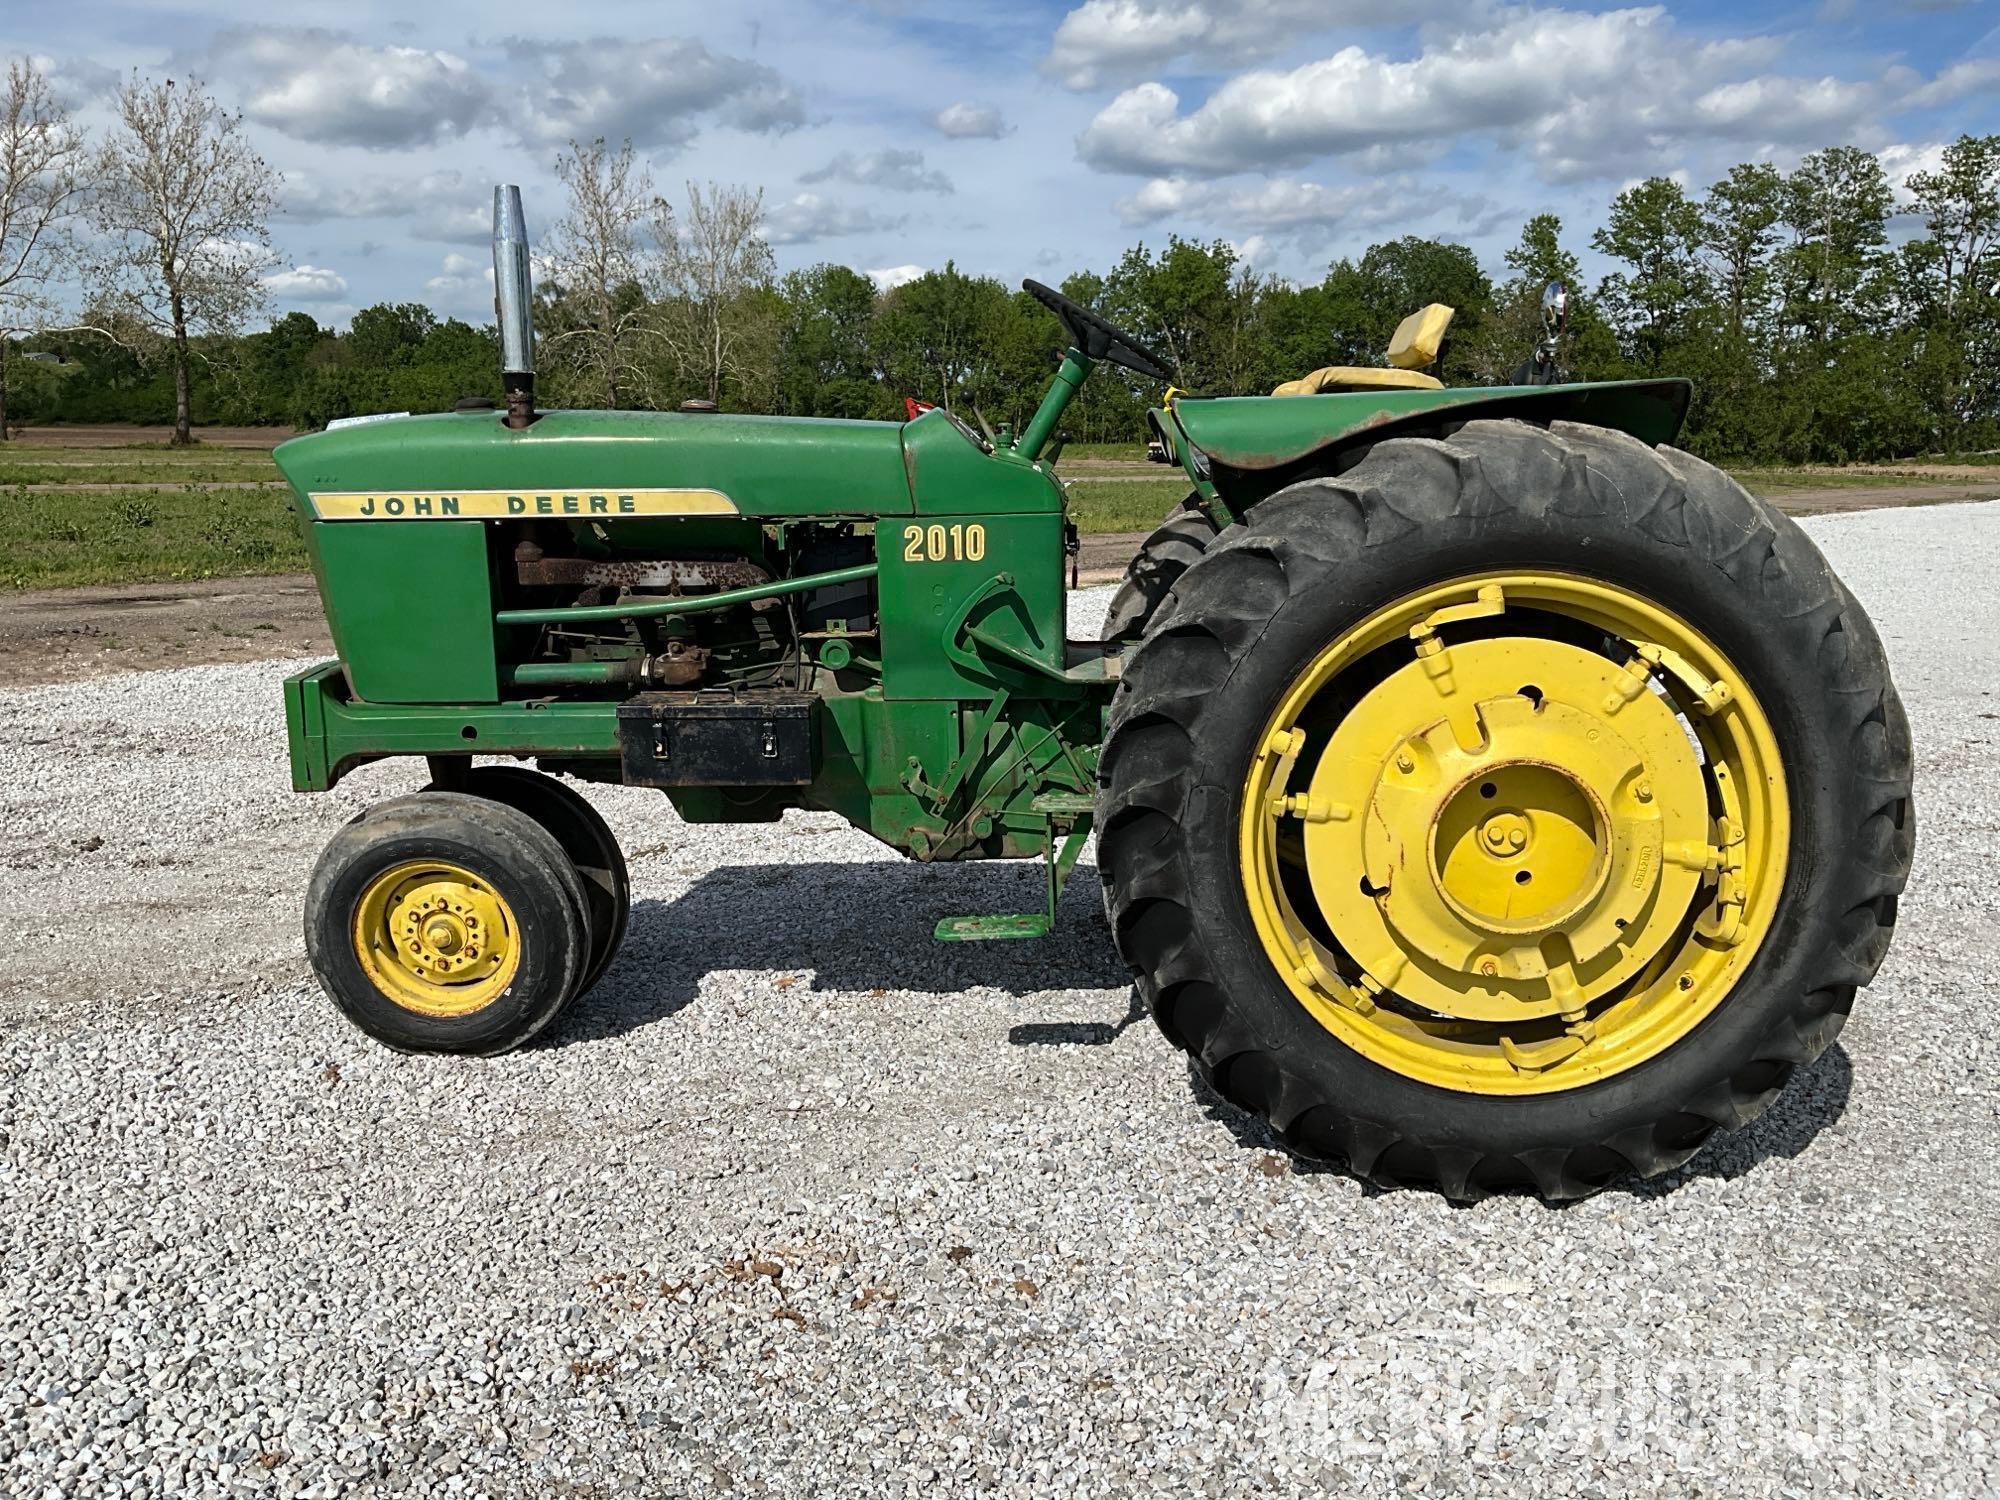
(936,543)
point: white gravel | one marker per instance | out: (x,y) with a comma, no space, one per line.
(800,1202)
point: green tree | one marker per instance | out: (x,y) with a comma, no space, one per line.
(387,335)
(825,368)
(1185,303)
(1656,230)
(1837,206)
(933,337)
(1739,231)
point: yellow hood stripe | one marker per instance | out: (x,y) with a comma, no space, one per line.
(460,505)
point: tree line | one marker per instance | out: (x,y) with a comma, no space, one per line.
(1826,314)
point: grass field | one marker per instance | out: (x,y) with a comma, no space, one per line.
(55,538)
(217,512)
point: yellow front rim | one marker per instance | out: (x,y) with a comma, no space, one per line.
(436,939)
(1515,833)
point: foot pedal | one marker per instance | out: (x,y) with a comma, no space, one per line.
(994,927)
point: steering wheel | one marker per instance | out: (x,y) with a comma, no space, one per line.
(1094,337)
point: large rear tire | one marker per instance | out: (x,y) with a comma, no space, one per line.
(1477,933)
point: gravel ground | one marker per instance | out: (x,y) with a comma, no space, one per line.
(800,1202)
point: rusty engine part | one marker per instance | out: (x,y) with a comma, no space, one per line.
(672,574)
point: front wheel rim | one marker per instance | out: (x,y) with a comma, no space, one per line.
(436,939)
(1515,833)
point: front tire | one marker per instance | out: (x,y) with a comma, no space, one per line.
(443,922)
(1310,846)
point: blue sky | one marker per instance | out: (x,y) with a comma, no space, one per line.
(1025,139)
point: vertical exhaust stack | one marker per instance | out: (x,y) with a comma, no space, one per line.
(513,305)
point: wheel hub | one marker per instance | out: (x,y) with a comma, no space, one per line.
(1510,865)
(1515,832)
(435,939)
(1520,870)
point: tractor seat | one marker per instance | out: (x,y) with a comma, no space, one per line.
(1415,345)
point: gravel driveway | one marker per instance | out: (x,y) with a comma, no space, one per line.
(801,1202)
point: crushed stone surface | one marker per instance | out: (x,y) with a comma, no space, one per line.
(799,1202)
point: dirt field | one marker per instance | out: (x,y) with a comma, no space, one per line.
(62,635)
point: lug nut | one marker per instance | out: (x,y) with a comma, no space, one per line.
(1488,967)
(1405,764)
(1643,791)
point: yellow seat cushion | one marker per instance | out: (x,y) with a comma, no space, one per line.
(1358,378)
(1419,337)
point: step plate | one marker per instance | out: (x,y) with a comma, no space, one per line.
(994,927)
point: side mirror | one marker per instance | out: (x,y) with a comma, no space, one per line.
(1555,308)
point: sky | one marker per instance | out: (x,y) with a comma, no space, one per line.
(1026,139)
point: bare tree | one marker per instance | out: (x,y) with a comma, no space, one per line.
(604,260)
(716,265)
(41,178)
(183,204)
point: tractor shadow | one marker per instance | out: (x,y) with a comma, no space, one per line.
(853,928)
(1813,1099)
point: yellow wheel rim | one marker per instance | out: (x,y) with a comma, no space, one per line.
(1515,833)
(436,939)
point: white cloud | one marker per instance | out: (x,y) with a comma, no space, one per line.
(76,81)
(1121,41)
(1975,75)
(440,205)
(324,87)
(968,122)
(888,278)
(306,284)
(897,169)
(808,217)
(1589,95)
(462,285)
(656,92)
(1274,209)
(1900,160)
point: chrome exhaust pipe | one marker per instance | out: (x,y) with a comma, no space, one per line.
(513,305)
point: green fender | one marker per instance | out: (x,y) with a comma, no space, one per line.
(1245,447)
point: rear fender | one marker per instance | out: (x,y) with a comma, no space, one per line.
(1246,447)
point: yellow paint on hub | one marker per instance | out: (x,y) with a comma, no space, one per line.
(436,939)
(1559,860)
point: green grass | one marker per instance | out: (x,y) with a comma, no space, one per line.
(52,539)
(1792,481)
(160,474)
(1102,506)
(1133,452)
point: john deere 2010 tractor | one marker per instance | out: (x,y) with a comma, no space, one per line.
(1487,794)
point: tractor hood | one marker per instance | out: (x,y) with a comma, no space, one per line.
(759,465)
(1252,434)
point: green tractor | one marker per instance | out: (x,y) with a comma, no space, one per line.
(1487,795)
